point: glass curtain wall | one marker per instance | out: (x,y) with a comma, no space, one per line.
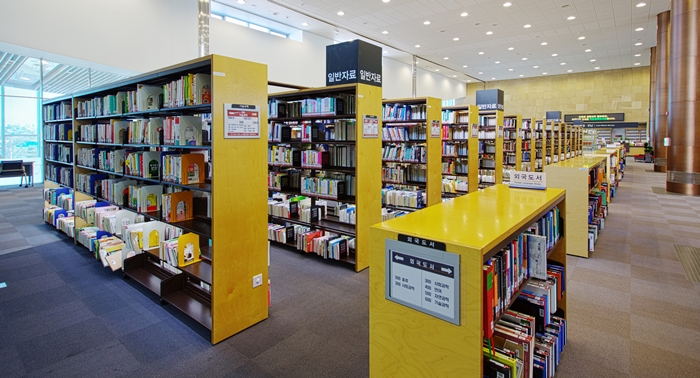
(22,80)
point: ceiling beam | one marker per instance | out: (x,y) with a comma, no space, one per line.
(11,71)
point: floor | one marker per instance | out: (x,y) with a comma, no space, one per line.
(631,310)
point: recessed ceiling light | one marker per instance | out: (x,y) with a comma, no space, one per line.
(385,32)
(636,64)
(511,48)
(527,26)
(386,52)
(555,54)
(481,53)
(241,1)
(447,57)
(489,32)
(522,75)
(510,69)
(597,68)
(341,13)
(543,43)
(638,44)
(493,78)
(507,4)
(571,18)
(417,45)
(641,5)
(464,14)
(544,73)
(304,24)
(587,50)
(592,60)
(497,62)
(454,75)
(386,1)
(569,70)
(638,29)
(562,63)
(524,58)
(464,66)
(455,39)
(637,54)
(581,38)
(535,66)
(481,73)
(469,81)
(426,23)
(437,70)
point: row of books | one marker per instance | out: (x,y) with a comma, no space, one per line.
(399,174)
(452,167)
(58,131)
(61,219)
(455,116)
(392,213)
(487,161)
(340,104)
(509,145)
(177,131)
(403,134)
(487,176)
(189,90)
(454,133)
(325,244)
(61,197)
(403,198)
(101,158)
(404,153)
(455,150)
(509,159)
(486,148)
(401,112)
(337,130)
(323,187)
(455,184)
(510,122)
(487,134)
(283,156)
(59,173)
(59,152)
(59,111)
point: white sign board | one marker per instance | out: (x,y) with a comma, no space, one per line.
(435,129)
(241,121)
(528,180)
(424,279)
(370,126)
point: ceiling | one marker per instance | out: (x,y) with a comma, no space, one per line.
(552,45)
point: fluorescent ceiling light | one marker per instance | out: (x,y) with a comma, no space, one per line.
(481,53)
(511,48)
(587,50)
(562,63)
(543,43)
(417,45)
(455,39)
(581,38)
(426,23)
(641,5)
(489,32)
(571,18)
(507,5)
(464,14)
(497,62)
(555,54)
(341,13)
(638,44)
(638,29)
(527,26)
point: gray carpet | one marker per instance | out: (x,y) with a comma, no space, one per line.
(21,219)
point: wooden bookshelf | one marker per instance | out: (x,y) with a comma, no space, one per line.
(232,304)
(367,171)
(405,342)
(490,148)
(527,143)
(540,142)
(512,145)
(458,123)
(426,113)
(573,175)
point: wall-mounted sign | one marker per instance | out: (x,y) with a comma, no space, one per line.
(370,126)
(610,125)
(435,129)
(489,99)
(589,118)
(242,121)
(424,279)
(553,115)
(500,131)
(475,130)
(354,62)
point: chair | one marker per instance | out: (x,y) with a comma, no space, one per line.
(12,168)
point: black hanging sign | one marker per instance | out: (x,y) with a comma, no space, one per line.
(353,62)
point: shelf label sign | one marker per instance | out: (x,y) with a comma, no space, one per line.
(528,180)
(500,131)
(424,279)
(435,129)
(475,130)
(370,126)
(241,121)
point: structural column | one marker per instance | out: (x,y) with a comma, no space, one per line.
(651,130)
(683,169)
(662,76)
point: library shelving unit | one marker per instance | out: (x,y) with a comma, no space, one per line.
(313,133)
(459,170)
(411,165)
(490,148)
(579,177)
(540,143)
(527,145)
(231,201)
(568,139)
(512,145)
(408,342)
(589,141)
(553,132)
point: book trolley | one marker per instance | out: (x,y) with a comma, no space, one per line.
(429,310)
(215,289)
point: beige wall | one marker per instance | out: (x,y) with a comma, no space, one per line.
(612,91)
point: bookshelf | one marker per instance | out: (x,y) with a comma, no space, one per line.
(409,128)
(512,145)
(527,145)
(490,148)
(215,292)
(636,137)
(580,177)
(540,142)
(407,342)
(458,123)
(589,141)
(297,124)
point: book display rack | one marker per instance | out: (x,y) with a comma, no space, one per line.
(146,148)
(325,170)
(439,289)
(490,148)
(585,181)
(460,150)
(411,152)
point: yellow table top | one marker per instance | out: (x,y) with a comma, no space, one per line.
(586,161)
(488,215)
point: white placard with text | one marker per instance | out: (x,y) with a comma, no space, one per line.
(528,180)
(241,121)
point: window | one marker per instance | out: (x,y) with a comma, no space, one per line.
(226,13)
(236,21)
(259,28)
(217,16)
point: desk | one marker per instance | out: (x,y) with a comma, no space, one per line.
(28,167)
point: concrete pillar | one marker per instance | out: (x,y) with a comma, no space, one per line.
(662,60)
